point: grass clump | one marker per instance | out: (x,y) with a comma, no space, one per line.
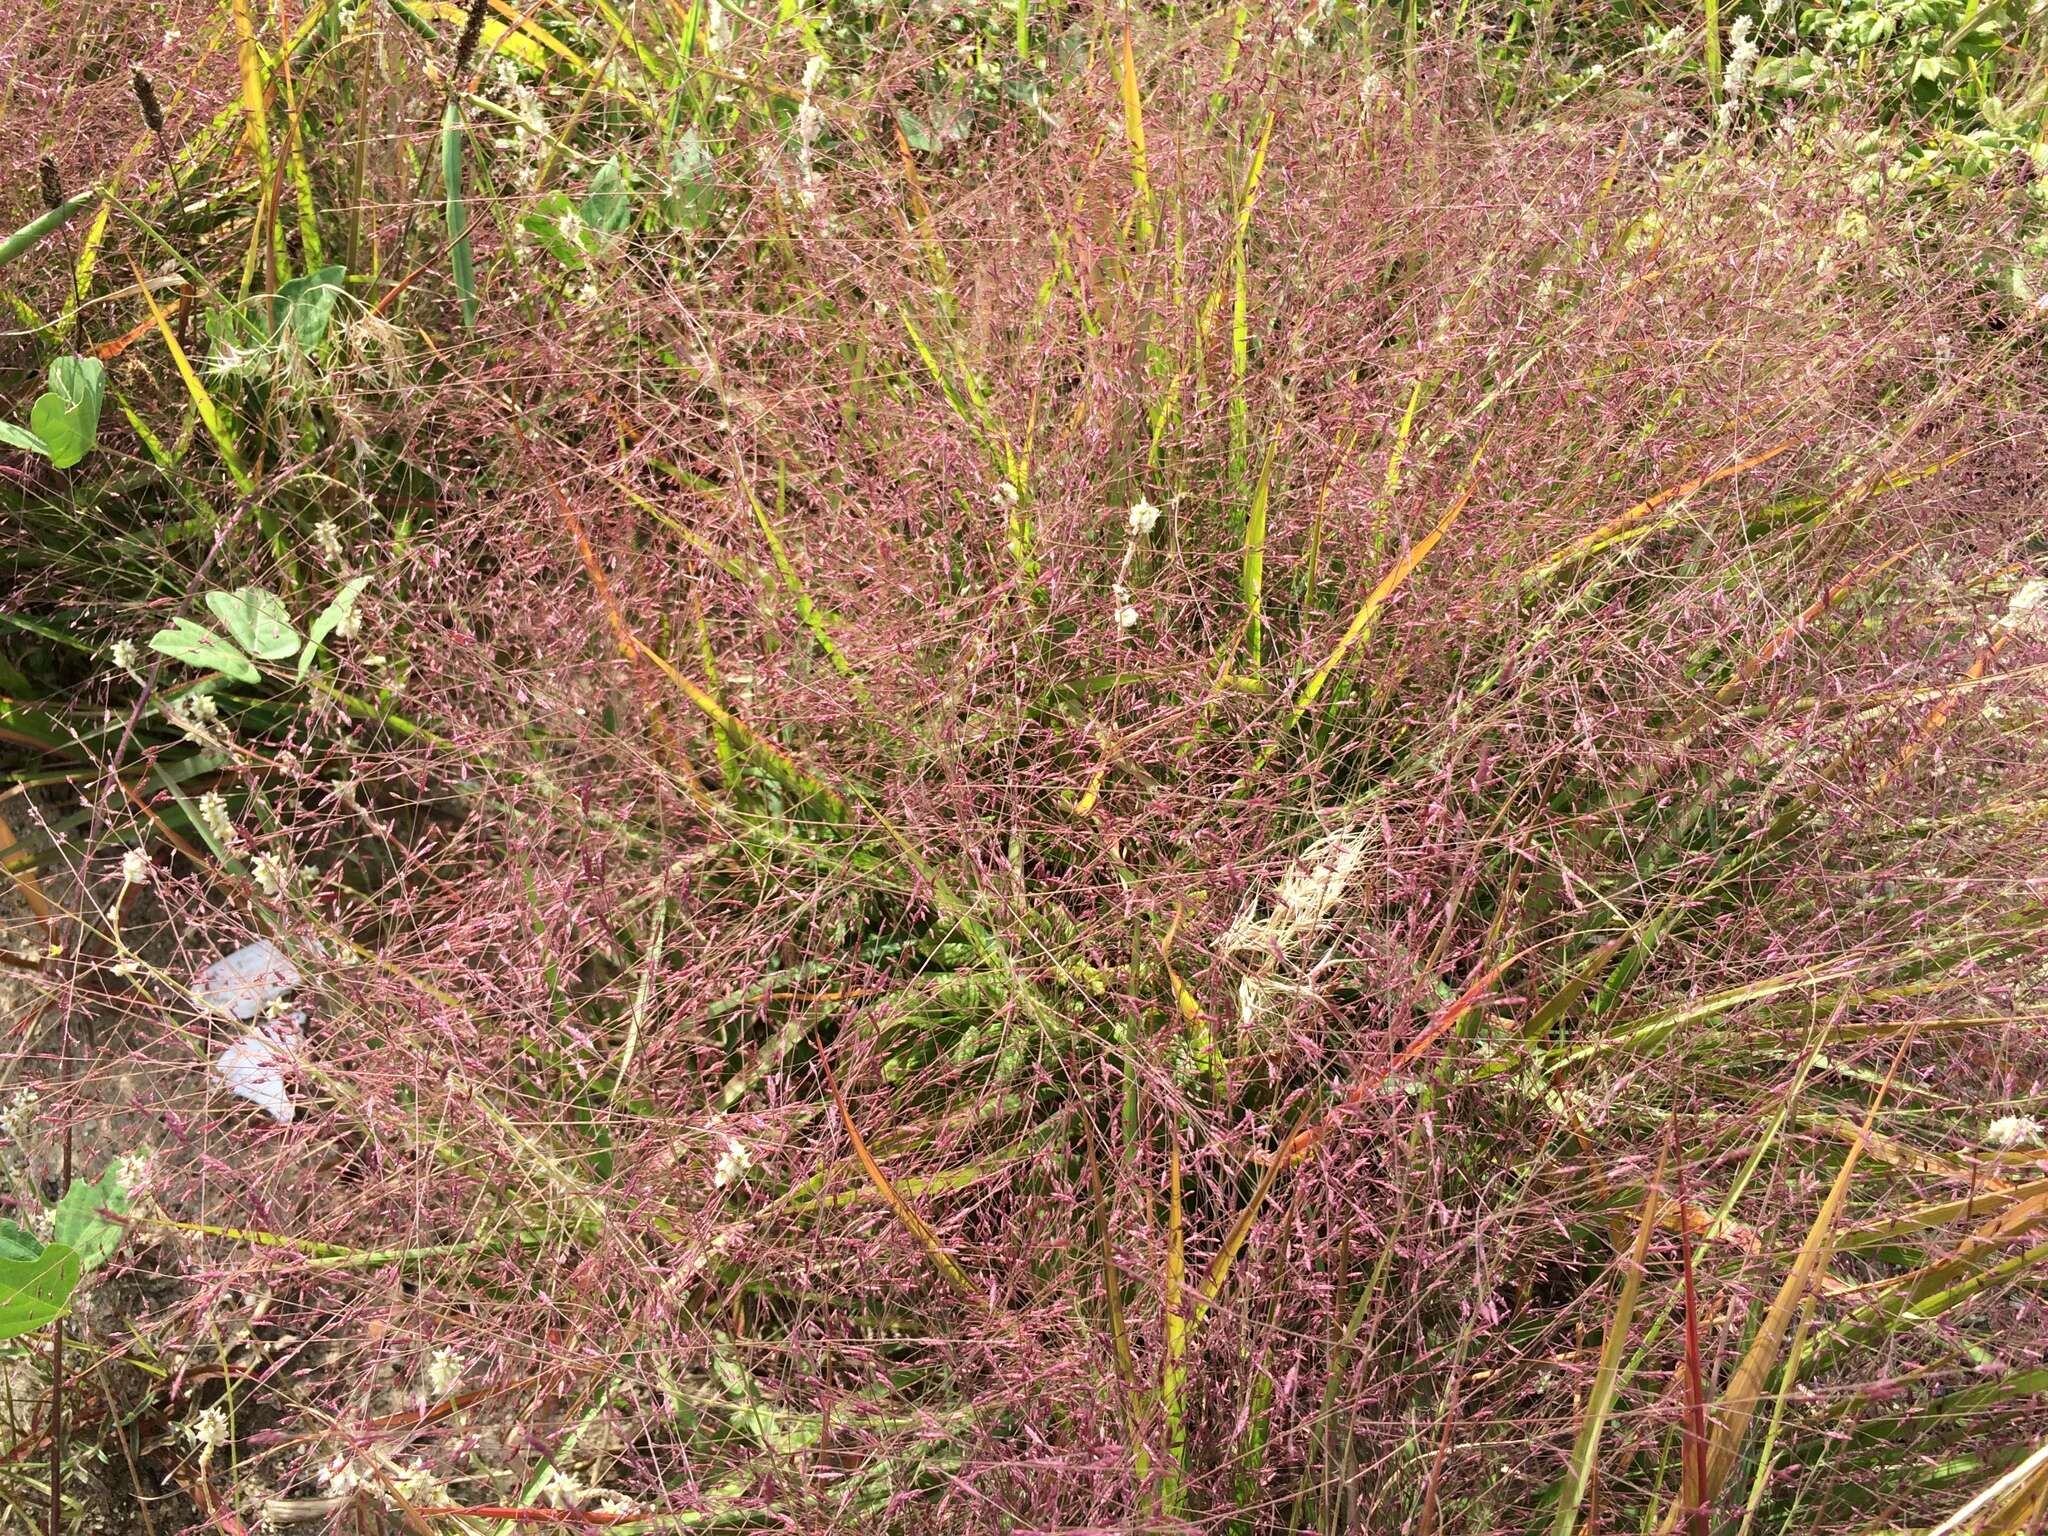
(1036,770)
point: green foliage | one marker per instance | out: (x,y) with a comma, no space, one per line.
(37,1279)
(309,304)
(198,646)
(261,628)
(33,233)
(76,1222)
(65,420)
(690,200)
(257,620)
(35,1291)
(608,206)
(331,618)
(460,261)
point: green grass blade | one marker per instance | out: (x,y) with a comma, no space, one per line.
(460,261)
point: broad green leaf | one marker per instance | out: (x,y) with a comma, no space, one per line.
(554,222)
(16,1242)
(198,646)
(258,621)
(343,605)
(608,206)
(76,1221)
(309,304)
(67,417)
(915,133)
(691,198)
(36,1291)
(23,439)
(329,618)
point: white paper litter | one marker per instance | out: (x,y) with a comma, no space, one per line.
(245,985)
(253,1067)
(242,984)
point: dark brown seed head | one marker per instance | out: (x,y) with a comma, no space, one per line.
(145,98)
(472,30)
(53,185)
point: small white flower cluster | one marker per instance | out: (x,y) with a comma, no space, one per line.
(414,1484)
(210,1431)
(213,816)
(445,1369)
(135,867)
(342,1475)
(122,654)
(274,876)
(527,143)
(1665,42)
(327,539)
(2010,1132)
(733,1164)
(1742,56)
(2026,611)
(138,1173)
(198,716)
(1141,520)
(21,1115)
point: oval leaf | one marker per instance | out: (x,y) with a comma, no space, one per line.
(608,206)
(257,620)
(691,200)
(67,418)
(309,304)
(36,1291)
(198,646)
(76,1222)
(329,617)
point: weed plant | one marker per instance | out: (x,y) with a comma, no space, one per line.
(1036,768)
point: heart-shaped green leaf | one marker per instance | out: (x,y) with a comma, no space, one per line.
(76,1222)
(198,646)
(258,621)
(36,1291)
(691,200)
(608,206)
(309,304)
(17,1242)
(918,136)
(67,418)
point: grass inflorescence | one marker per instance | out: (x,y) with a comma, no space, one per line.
(1047,769)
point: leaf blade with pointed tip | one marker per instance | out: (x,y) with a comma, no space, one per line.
(198,646)
(25,440)
(258,621)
